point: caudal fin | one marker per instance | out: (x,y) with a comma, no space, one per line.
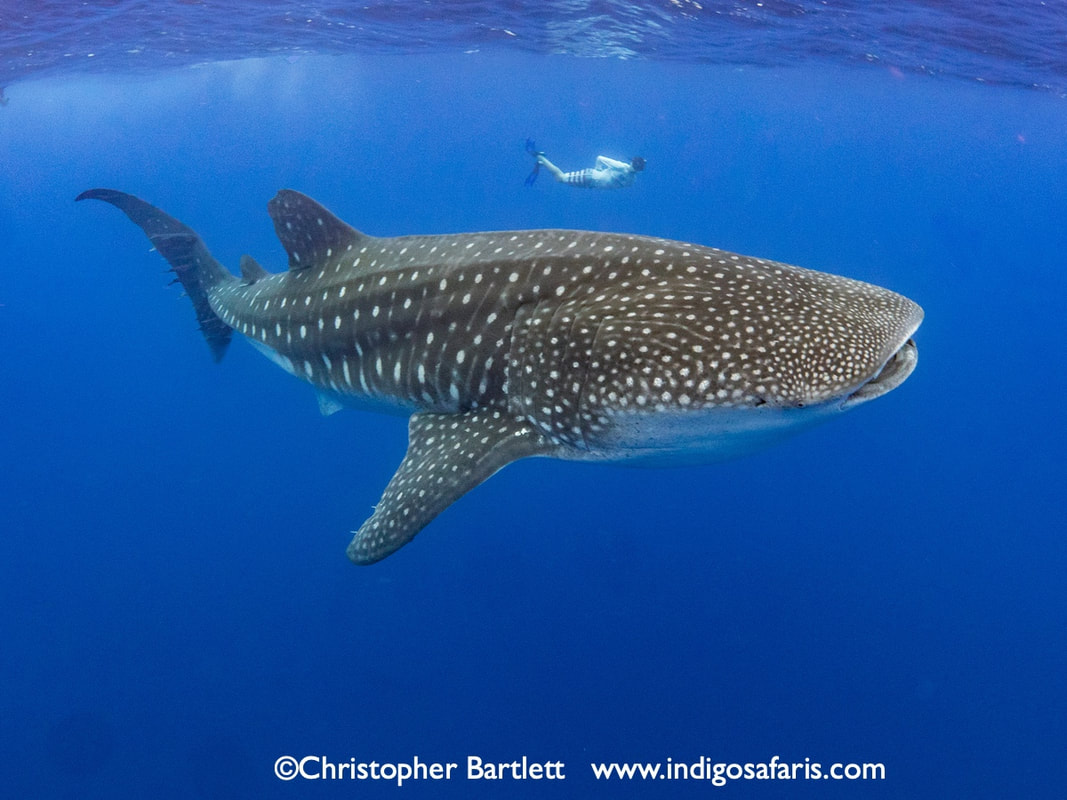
(189,259)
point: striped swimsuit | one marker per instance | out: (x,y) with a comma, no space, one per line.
(608,174)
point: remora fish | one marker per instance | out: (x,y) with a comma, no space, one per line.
(566,344)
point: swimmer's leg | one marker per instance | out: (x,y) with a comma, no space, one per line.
(553,170)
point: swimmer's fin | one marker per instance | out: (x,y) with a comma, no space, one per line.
(531,148)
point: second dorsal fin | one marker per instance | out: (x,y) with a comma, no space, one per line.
(311,235)
(251,271)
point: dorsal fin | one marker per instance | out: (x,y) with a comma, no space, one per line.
(310,234)
(251,271)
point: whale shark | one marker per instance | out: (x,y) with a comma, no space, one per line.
(566,344)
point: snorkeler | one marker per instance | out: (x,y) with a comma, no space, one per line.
(607,174)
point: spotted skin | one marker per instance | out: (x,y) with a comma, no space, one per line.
(569,344)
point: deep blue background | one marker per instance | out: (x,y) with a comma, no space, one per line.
(177,608)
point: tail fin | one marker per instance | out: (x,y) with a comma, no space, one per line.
(189,259)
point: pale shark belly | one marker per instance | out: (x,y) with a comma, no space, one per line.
(686,438)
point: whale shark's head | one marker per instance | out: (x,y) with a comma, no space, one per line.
(828,342)
(717,358)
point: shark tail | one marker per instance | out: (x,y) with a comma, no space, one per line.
(189,259)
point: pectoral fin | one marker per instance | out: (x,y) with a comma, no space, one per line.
(448,455)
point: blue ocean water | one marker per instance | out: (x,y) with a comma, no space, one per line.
(178,610)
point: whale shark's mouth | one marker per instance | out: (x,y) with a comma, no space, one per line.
(893,373)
